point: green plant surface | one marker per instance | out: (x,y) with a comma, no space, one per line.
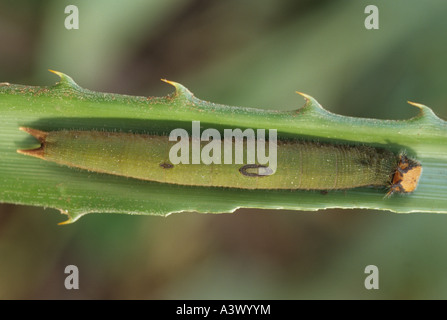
(26,180)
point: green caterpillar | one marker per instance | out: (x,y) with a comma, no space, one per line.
(300,165)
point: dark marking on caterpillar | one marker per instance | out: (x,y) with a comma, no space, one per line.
(365,162)
(166,165)
(252,170)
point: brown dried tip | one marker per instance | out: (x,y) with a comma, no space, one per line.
(39,135)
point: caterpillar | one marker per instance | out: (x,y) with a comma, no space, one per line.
(304,165)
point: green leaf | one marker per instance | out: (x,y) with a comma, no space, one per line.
(26,180)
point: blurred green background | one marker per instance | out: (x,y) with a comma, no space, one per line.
(247,53)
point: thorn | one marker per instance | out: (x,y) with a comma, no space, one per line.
(311,103)
(307,97)
(180,90)
(66,80)
(60,74)
(71,217)
(68,221)
(172,83)
(425,112)
(417,105)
